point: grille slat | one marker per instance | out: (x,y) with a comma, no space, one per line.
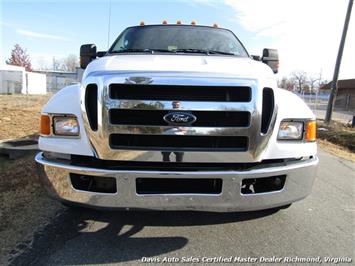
(155,118)
(178,142)
(179,93)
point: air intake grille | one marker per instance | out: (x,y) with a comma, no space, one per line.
(91,105)
(202,119)
(178,186)
(178,142)
(180,93)
(268,109)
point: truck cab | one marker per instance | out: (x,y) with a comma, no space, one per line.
(177,117)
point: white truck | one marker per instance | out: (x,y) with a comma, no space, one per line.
(177,117)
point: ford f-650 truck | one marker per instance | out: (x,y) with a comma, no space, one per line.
(177,117)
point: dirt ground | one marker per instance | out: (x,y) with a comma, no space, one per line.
(24,207)
(20,115)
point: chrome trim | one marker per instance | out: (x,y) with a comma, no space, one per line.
(99,139)
(185,105)
(299,181)
(188,131)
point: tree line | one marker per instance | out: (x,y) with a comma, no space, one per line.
(302,82)
(20,57)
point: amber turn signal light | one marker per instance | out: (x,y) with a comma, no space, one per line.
(45,127)
(311,131)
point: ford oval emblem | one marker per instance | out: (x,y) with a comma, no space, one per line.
(179,118)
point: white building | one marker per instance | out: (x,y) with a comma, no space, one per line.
(15,79)
(57,80)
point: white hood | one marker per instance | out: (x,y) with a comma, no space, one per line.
(227,65)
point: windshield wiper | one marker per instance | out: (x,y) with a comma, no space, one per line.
(189,50)
(219,52)
(201,51)
(131,50)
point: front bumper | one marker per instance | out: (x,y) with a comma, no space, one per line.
(300,176)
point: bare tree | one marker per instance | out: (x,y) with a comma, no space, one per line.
(300,78)
(312,81)
(286,83)
(19,57)
(70,63)
(56,65)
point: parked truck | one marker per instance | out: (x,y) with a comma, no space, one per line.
(177,117)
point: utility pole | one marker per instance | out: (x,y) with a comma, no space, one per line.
(334,85)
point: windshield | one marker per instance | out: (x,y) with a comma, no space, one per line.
(178,39)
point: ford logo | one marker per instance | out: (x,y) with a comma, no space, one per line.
(179,118)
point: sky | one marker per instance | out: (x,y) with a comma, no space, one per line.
(306,32)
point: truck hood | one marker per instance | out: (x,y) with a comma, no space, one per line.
(223,65)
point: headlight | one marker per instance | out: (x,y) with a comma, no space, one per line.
(290,130)
(65,126)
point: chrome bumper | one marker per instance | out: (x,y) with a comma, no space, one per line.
(299,181)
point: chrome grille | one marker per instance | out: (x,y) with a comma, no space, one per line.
(131,125)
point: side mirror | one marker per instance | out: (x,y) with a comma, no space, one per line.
(87,54)
(271,58)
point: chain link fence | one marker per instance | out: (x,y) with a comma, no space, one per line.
(318,103)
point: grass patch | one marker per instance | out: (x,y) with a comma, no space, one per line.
(337,133)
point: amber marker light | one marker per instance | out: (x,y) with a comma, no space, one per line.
(179,22)
(141,23)
(311,131)
(215,25)
(165,22)
(45,126)
(193,22)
